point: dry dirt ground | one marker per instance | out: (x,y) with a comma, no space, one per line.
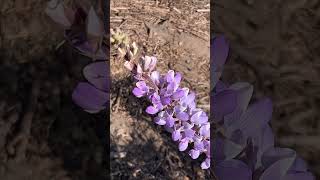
(43,135)
(179,37)
(275,46)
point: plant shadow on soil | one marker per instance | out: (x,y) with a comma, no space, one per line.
(77,137)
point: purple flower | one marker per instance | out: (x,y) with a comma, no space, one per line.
(174,107)
(205,164)
(93,96)
(176,135)
(183,145)
(199,118)
(141,90)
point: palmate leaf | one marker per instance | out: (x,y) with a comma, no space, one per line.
(83,28)
(97,74)
(89,97)
(94,30)
(62,15)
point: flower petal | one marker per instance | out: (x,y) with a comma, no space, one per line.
(299,176)
(219,51)
(189,133)
(194,153)
(205,164)
(183,145)
(177,78)
(233,169)
(159,121)
(243,93)
(94,26)
(141,84)
(138,92)
(183,116)
(178,94)
(151,110)
(176,135)
(155,77)
(170,121)
(254,120)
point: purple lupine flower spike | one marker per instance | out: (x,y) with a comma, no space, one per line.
(174,108)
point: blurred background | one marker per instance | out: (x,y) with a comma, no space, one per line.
(275,46)
(43,135)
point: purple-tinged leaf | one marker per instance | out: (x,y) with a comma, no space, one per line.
(223,104)
(58,13)
(272,155)
(89,98)
(299,165)
(254,120)
(278,170)
(264,143)
(84,47)
(219,51)
(97,73)
(94,25)
(233,170)
(299,176)
(243,93)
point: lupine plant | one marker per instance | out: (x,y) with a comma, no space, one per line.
(83,30)
(174,107)
(244,146)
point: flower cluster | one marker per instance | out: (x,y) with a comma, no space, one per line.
(244,147)
(174,108)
